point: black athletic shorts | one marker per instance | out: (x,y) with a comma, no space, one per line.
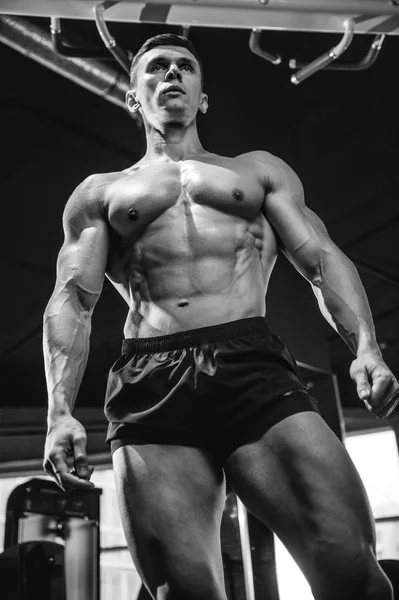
(215,387)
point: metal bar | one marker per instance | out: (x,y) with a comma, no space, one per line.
(81,559)
(338,401)
(327,58)
(254,46)
(30,40)
(365,63)
(376,17)
(18,431)
(246,551)
(314,369)
(343,7)
(359,420)
(313,6)
(34,466)
(386,519)
(113,548)
(110,42)
(72,51)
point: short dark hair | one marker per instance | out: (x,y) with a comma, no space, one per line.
(164,39)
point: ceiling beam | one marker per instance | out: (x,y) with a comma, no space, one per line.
(370,16)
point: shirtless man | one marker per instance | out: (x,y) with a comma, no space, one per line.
(203,391)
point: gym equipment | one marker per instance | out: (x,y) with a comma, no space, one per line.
(51,543)
(349,17)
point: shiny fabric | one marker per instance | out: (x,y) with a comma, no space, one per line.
(214,387)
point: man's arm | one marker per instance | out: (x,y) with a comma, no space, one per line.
(334,278)
(66,329)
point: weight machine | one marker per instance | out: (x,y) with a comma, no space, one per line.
(51,543)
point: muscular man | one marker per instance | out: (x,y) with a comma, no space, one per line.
(203,390)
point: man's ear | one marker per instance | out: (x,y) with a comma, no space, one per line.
(203,103)
(131,102)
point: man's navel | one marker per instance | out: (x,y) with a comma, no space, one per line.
(183,303)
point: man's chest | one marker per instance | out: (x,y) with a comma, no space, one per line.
(168,191)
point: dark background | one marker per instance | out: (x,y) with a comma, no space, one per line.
(338,130)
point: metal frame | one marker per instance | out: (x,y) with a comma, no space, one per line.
(365,63)
(380,17)
(245,550)
(323,61)
(370,16)
(109,42)
(254,46)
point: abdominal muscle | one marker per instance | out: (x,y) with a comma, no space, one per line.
(242,299)
(193,266)
(187,293)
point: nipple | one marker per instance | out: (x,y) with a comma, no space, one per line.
(238,195)
(183,303)
(133,214)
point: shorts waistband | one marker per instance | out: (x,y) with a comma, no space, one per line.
(195,337)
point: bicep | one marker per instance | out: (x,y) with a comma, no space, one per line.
(302,234)
(82,259)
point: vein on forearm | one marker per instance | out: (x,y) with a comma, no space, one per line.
(66,335)
(342,298)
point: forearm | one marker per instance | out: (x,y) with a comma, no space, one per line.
(66,341)
(343,302)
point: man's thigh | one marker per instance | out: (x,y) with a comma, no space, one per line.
(171,501)
(300,481)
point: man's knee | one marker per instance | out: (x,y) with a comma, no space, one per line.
(378,585)
(348,571)
(194,580)
(196,591)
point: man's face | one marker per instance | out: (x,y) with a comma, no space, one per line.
(168,86)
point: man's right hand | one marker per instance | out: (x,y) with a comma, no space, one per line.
(66,437)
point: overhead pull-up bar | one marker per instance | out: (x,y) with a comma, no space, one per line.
(376,16)
(305,71)
(254,45)
(110,43)
(370,16)
(363,64)
(324,60)
(327,60)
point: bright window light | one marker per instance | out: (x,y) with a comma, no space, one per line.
(375,456)
(290,579)
(119,578)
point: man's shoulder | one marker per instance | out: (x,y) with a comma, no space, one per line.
(91,192)
(264,159)
(258,155)
(88,200)
(94,185)
(277,172)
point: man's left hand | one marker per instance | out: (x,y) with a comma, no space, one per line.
(375,382)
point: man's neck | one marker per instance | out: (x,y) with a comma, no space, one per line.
(172,143)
